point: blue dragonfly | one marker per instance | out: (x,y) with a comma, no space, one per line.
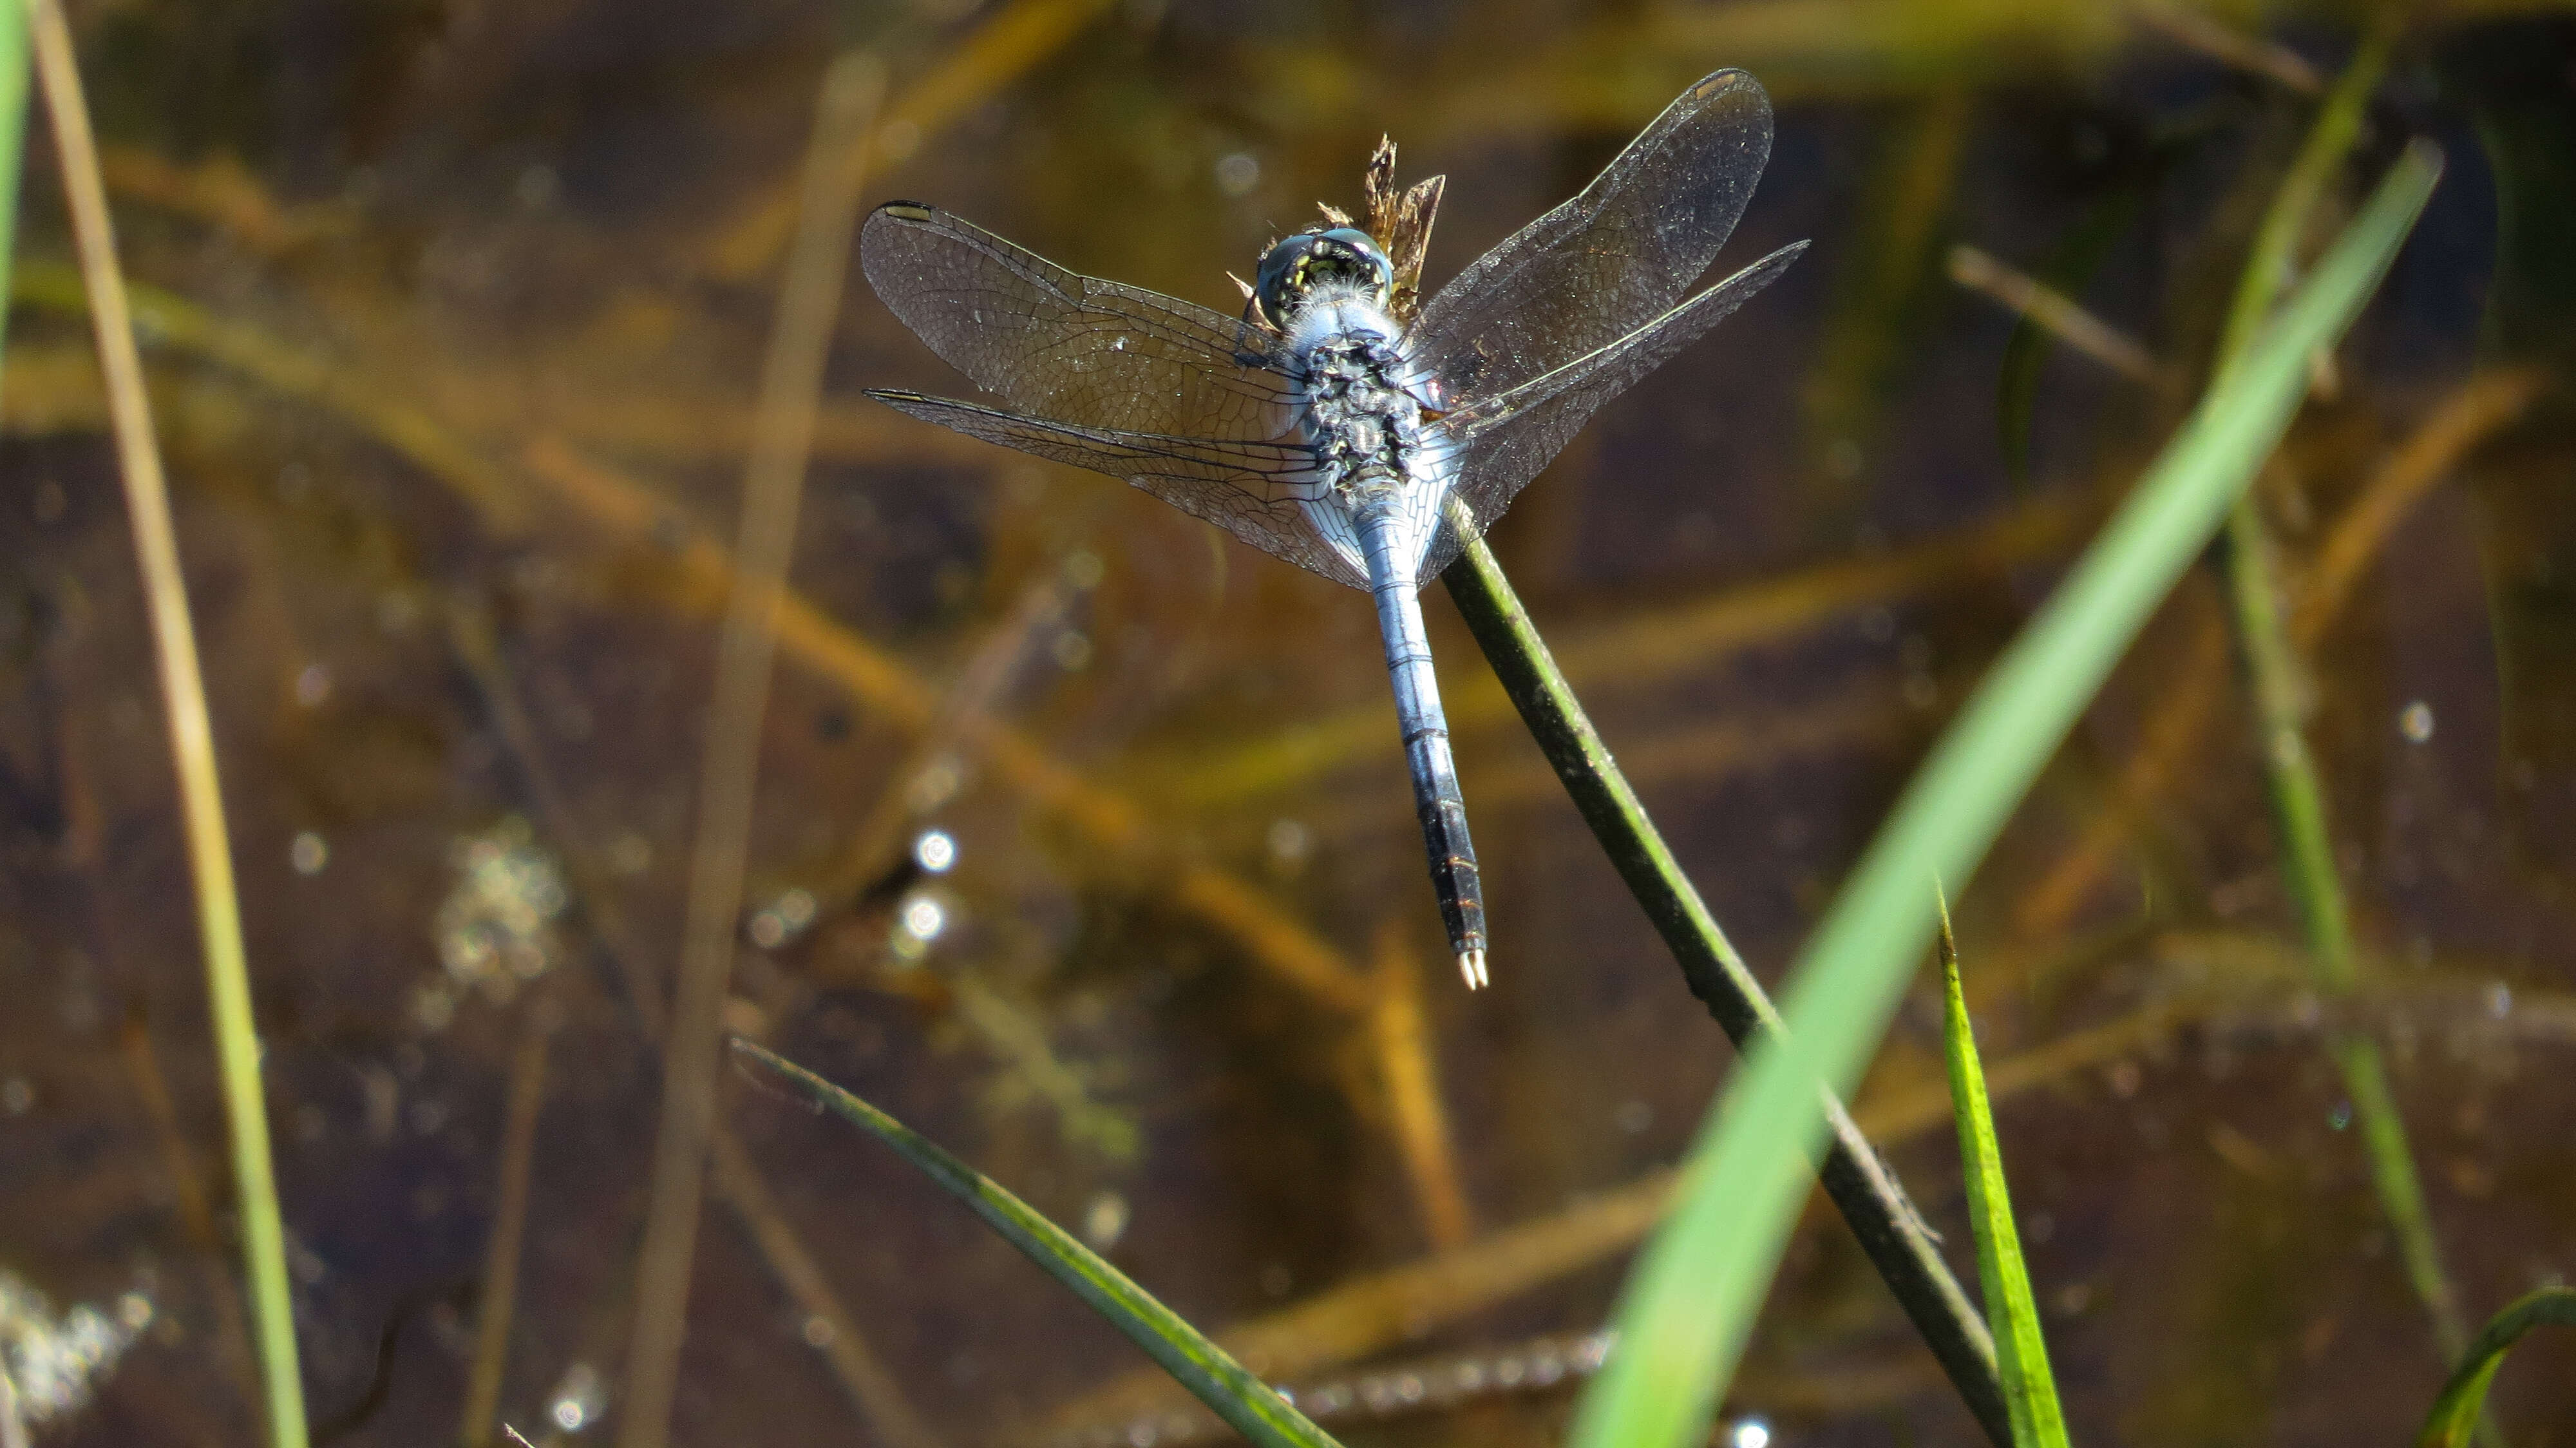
(1341,422)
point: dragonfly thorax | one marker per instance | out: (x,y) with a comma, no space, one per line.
(1362,413)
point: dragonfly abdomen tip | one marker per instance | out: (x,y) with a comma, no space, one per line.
(1471,965)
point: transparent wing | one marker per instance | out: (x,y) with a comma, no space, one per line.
(1504,440)
(1611,260)
(1060,345)
(1252,489)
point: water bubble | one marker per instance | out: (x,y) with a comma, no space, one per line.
(779,921)
(2415,722)
(397,610)
(818,1331)
(496,927)
(1749,1433)
(309,853)
(55,1363)
(1237,173)
(1843,459)
(2340,1115)
(1083,568)
(1289,842)
(630,854)
(1104,1221)
(578,1398)
(433,1006)
(2124,1078)
(935,785)
(935,852)
(312,685)
(1072,650)
(2499,1000)
(925,917)
(537,186)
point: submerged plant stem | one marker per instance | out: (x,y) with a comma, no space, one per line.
(1862,1187)
(192,741)
(2276,675)
(809,303)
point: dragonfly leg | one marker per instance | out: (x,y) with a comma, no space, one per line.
(1426,731)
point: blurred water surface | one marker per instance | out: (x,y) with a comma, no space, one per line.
(1082,840)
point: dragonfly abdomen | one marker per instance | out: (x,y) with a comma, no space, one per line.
(1381,514)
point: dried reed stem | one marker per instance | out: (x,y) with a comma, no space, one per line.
(2057,314)
(2229,46)
(192,743)
(809,305)
(492,1315)
(1015,39)
(830,1327)
(1411,1075)
(196,1207)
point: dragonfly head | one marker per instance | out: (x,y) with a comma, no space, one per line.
(1295,269)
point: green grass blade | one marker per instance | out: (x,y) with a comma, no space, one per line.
(1247,1404)
(2455,1413)
(2030,1393)
(1691,1299)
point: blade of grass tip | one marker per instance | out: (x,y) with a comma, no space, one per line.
(13,140)
(192,742)
(1692,1296)
(2029,1390)
(809,306)
(2276,675)
(2456,1412)
(1859,1181)
(1246,1403)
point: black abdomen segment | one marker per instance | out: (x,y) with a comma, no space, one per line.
(1426,734)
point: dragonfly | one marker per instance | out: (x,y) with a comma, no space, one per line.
(1341,422)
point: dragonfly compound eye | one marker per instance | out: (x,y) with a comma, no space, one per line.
(1296,269)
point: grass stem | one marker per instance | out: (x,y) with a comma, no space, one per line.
(192,741)
(13,136)
(1863,1188)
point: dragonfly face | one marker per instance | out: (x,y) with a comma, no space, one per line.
(1341,257)
(1325,431)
